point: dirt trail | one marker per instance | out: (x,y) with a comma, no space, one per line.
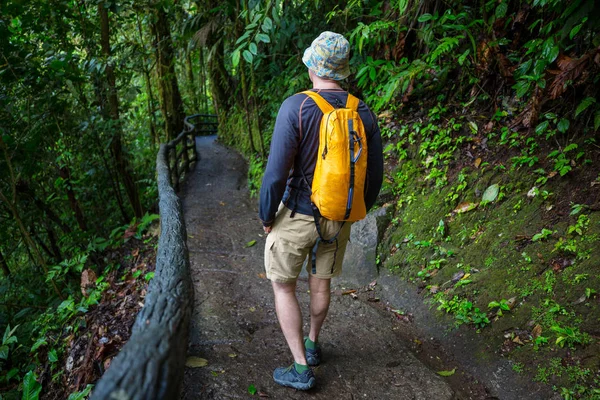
(234,325)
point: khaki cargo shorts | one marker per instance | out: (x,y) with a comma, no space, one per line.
(291,242)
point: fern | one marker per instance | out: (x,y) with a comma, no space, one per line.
(446,45)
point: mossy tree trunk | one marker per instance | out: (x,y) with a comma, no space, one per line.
(172,105)
(121,162)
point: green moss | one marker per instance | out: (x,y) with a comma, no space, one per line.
(546,279)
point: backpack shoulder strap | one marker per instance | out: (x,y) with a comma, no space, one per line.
(321,102)
(352,102)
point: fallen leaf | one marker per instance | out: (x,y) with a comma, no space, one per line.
(252,309)
(88,279)
(349,291)
(262,394)
(458,276)
(532,192)
(252,390)
(373,299)
(250,243)
(518,340)
(262,275)
(537,331)
(491,193)
(232,355)
(465,277)
(135,253)
(196,362)
(477,162)
(447,373)
(434,289)
(465,207)
(511,302)
(222,203)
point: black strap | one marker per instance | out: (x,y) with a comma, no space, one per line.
(334,239)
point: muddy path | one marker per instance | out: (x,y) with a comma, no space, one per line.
(234,326)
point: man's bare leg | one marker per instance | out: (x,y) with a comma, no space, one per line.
(320,295)
(290,318)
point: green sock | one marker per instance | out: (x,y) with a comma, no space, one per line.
(300,368)
(309,344)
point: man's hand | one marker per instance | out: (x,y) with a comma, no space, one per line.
(267,229)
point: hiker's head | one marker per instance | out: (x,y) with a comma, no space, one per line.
(327,56)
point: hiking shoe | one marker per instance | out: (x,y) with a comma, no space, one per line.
(313,357)
(290,377)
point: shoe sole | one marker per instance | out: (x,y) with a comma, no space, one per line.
(297,385)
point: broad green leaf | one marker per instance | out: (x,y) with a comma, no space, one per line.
(251,243)
(4,350)
(501,10)
(585,103)
(541,128)
(267,24)
(425,17)
(40,342)
(576,29)
(31,387)
(235,58)
(247,56)
(263,38)
(52,356)
(447,373)
(81,395)
(553,54)
(242,38)
(491,193)
(563,125)
(253,48)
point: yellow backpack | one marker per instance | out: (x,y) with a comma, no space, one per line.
(339,178)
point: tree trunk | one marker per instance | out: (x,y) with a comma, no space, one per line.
(148,82)
(65,174)
(169,88)
(246,106)
(4,264)
(203,91)
(190,80)
(113,101)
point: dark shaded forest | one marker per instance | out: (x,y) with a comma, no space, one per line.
(489,111)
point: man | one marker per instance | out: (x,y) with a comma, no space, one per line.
(290,226)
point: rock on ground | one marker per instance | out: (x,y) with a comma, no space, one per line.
(234,326)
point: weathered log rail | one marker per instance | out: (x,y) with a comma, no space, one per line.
(150,365)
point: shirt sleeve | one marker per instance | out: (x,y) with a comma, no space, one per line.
(284,146)
(374,164)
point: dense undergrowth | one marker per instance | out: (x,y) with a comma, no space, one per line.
(55,348)
(510,250)
(489,114)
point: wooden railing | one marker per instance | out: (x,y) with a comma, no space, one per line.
(150,366)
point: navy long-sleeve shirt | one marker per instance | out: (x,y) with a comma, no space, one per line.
(294,149)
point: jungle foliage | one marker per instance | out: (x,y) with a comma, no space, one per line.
(88,89)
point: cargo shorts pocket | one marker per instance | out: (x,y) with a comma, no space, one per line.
(283,260)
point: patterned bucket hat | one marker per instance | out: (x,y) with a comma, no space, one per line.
(327,56)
